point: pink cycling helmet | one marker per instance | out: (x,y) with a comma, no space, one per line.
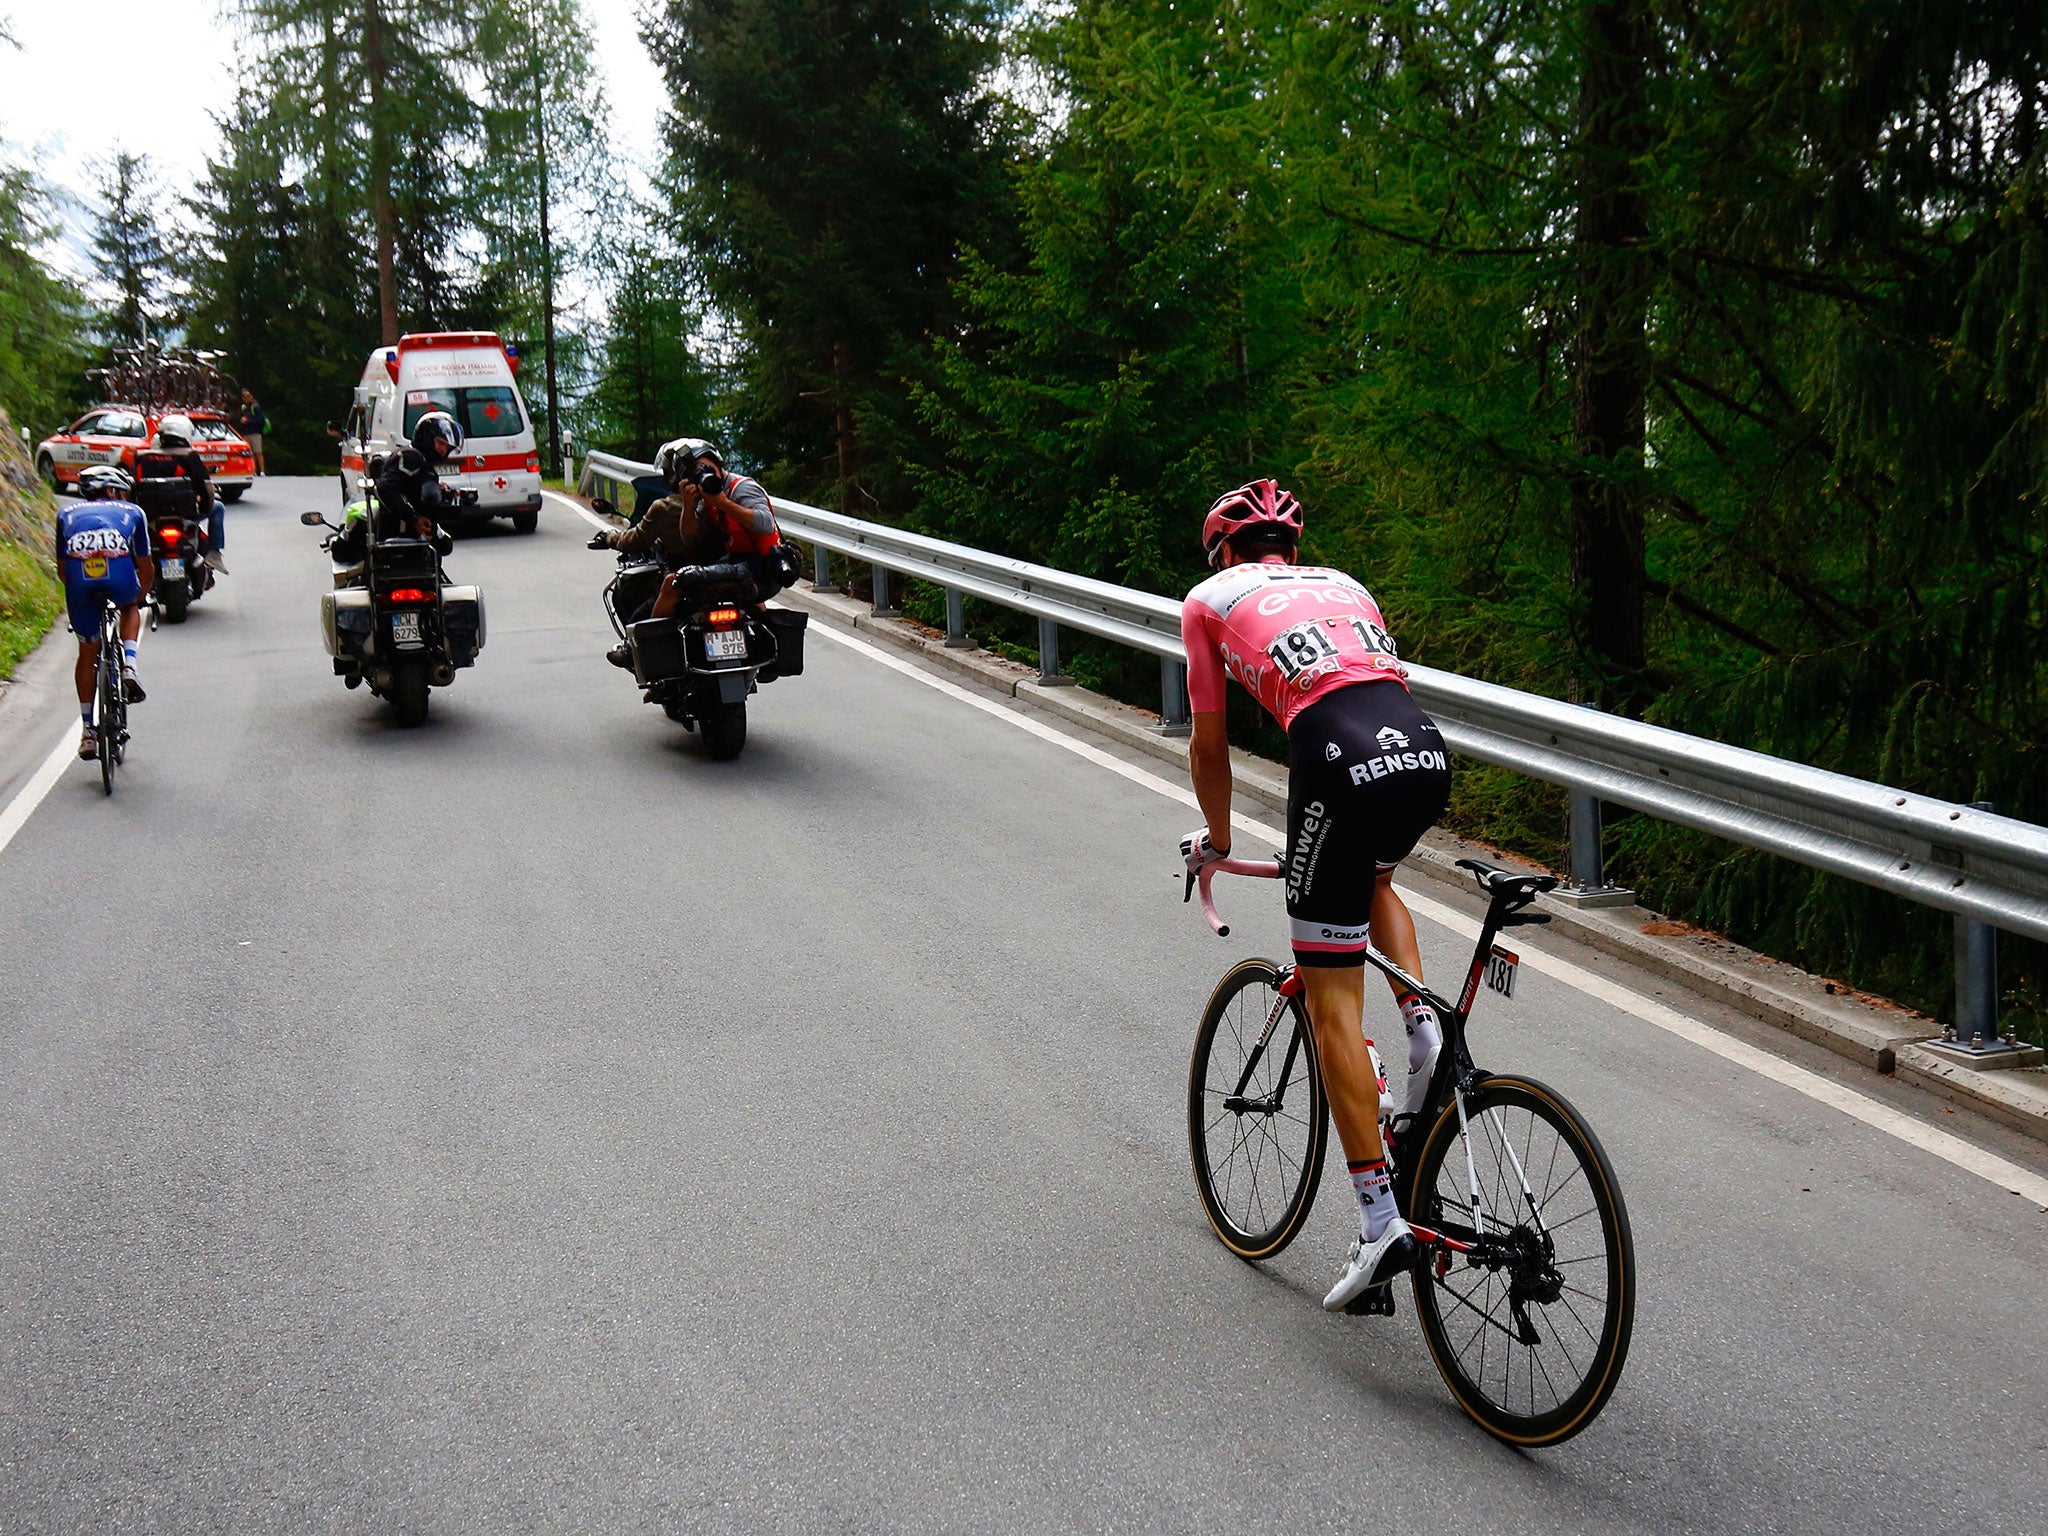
(1261,504)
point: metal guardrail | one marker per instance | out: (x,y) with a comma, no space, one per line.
(1988,869)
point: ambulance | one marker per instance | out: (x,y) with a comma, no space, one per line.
(472,376)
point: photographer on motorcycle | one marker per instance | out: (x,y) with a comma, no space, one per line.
(410,500)
(712,527)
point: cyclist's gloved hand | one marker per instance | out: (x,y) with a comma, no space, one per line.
(1198,852)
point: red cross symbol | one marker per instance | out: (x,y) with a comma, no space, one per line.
(499,482)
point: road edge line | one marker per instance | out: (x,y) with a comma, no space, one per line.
(18,810)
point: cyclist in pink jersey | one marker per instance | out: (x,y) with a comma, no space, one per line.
(1367,776)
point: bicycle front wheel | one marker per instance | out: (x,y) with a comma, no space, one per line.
(1531,1327)
(1257,1122)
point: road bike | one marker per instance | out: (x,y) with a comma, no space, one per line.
(1524,1279)
(110,698)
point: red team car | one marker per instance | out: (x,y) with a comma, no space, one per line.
(110,434)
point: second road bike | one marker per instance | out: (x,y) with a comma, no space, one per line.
(1524,1280)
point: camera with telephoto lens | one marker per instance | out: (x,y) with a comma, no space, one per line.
(710,479)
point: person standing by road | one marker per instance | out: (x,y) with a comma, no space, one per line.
(1367,776)
(252,423)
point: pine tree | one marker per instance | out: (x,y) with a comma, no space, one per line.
(651,385)
(43,323)
(543,150)
(129,249)
(827,160)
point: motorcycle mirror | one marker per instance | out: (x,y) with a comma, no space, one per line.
(602,507)
(312,519)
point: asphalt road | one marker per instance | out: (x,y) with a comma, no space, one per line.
(525,1123)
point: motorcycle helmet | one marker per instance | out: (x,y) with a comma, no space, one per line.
(678,456)
(1260,510)
(437,424)
(104,482)
(175,431)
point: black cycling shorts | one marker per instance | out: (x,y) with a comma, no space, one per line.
(1367,776)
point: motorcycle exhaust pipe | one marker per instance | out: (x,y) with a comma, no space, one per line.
(442,675)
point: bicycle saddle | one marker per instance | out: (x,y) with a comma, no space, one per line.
(1505,884)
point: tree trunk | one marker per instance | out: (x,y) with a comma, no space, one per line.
(1610,363)
(377,66)
(547,276)
(842,426)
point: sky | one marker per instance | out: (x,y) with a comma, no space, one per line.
(149,75)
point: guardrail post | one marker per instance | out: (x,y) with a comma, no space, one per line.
(883,608)
(956,620)
(1049,674)
(1174,719)
(1976,1028)
(821,570)
(1586,864)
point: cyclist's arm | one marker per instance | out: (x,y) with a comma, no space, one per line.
(1209,747)
(145,572)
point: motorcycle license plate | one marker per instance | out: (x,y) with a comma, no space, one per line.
(1501,965)
(405,629)
(173,568)
(725,645)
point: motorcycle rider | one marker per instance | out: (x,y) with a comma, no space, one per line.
(739,509)
(410,500)
(673,522)
(103,550)
(171,456)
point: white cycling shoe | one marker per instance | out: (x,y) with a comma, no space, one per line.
(1371,1264)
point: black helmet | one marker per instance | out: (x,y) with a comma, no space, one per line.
(437,424)
(676,457)
(104,482)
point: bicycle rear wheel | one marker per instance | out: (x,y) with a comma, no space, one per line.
(108,710)
(1257,1122)
(1531,1328)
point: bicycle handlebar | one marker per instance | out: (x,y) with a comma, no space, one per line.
(1258,869)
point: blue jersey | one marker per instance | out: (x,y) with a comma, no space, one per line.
(99,540)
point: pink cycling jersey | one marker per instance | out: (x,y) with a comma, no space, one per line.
(1289,633)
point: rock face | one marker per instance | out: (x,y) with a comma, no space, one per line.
(27,509)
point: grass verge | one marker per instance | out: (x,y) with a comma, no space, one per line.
(30,600)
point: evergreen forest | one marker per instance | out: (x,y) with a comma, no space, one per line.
(1684,358)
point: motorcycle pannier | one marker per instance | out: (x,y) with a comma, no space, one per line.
(462,610)
(345,621)
(788,626)
(657,646)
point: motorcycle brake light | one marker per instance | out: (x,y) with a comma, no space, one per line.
(722,618)
(170,533)
(408,595)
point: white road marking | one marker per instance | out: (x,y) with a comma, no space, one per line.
(1882,1117)
(40,783)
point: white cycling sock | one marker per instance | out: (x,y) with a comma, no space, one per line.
(1374,1187)
(1425,1040)
(128,649)
(85,712)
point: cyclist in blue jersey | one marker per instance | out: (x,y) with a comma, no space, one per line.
(103,551)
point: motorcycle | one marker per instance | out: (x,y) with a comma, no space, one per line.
(177,538)
(394,621)
(703,662)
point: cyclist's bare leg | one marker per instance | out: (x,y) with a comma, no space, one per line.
(86,672)
(1336,1007)
(1393,931)
(131,629)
